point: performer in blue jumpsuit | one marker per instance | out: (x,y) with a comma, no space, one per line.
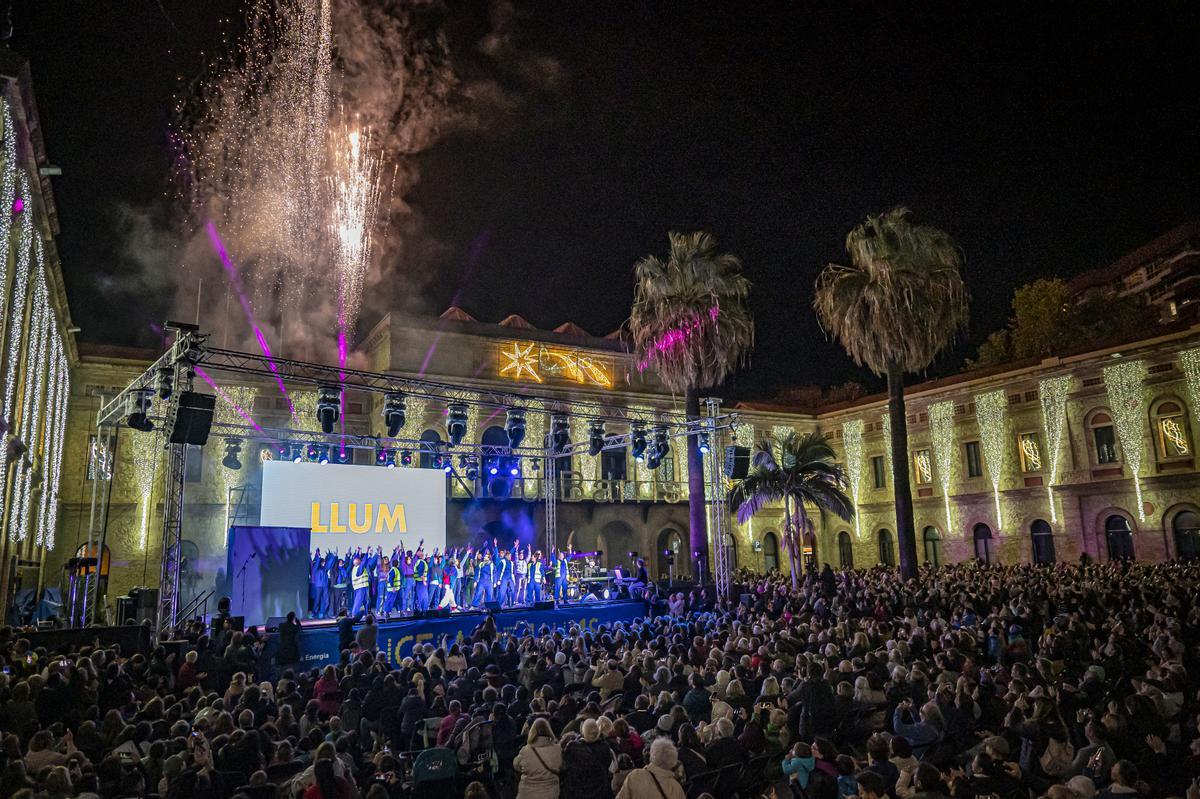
(319,586)
(560,578)
(339,580)
(408,585)
(421,576)
(382,579)
(360,581)
(485,580)
(395,580)
(507,592)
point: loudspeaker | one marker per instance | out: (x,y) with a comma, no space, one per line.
(491,607)
(272,625)
(193,418)
(143,604)
(545,604)
(440,613)
(737,462)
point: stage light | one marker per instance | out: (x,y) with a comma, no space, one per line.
(343,455)
(166,381)
(18,205)
(606,593)
(637,439)
(662,444)
(297,453)
(702,442)
(493,469)
(313,452)
(596,437)
(137,409)
(395,413)
(383,457)
(514,467)
(406,457)
(448,468)
(284,452)
(323,455)
(514,426)
(329,403)
(468,465)
(560,432)
(233,447)
(456,423)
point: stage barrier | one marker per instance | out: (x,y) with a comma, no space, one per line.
(319,645)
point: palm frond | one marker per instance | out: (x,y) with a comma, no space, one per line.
(799,467)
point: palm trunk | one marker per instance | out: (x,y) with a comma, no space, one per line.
(697,517)
(789,528)
(905,536)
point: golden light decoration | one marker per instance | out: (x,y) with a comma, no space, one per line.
(924,466)
(941,431)
(852,443)
(1190,361)
(519,361)
(887,446)
(1124,383)
(1033,458)
(991,411)
(1053,395)
(1174,433)
(145,454)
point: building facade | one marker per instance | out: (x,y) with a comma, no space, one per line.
(1089,454)
(38,349)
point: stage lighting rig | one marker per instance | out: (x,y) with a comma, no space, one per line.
(344,455)
(659,450)
(297,453)
(283,452)
(514,426)
(323,454)
(596,437)
(166,382)
(702,442)
(560,432)
(384,457)
(406,457)
(233,448)
(395,413)
(456,423)
(312,451)
(137,409)
(329,404)
(637,440)
(514,467)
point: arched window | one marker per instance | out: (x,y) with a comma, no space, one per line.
(887,550)
(770,550)
(1120,537)
(1171,430)
(731,550)
(1043,542)
(430,445)
(1104,437)
(1187,535)
(983,542)
(933,546)
(845,550)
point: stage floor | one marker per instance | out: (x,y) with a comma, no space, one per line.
(319,644)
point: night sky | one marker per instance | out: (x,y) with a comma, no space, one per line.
(1046,138)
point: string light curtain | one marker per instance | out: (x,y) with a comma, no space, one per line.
(146,452)
(887,447)
(17,326)
(941,430)
(852,443)
(31,407)
(1124,383)
(991,411)
(1053,394)
(1190,361)
(63,389)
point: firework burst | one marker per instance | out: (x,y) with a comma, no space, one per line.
(355,186)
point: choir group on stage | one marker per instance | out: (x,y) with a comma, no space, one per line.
(408,581)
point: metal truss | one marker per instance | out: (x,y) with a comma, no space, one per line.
(718,506)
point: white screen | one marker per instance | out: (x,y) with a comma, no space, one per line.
(391,506)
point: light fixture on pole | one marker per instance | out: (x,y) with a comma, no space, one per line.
(329,405)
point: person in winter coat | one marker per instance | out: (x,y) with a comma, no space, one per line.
(588,764)
(657,780)
(539,763)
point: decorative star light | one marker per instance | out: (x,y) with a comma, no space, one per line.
(1174,433)
(852,442)
(991,411)
(521,360)
(1124,385)
(941,430)
(1053,395)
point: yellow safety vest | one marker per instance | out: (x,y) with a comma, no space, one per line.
(394,579)
(360,578)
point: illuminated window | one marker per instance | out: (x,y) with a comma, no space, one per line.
(922,467)
(877,472)
(1171,430)
(974,463)
(1104,437)
(1029,446)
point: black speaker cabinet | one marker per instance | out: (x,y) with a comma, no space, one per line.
(193,418)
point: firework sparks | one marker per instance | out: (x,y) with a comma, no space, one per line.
(356,193)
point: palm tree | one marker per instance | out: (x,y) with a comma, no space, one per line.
(691,325)
(899,303)
(797,471)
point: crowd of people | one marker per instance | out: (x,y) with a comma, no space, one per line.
(1070,682)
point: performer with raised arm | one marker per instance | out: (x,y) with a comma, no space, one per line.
(537,576)
(395,581)
(485,579)
(421,577)
(318,589)
(522,569)
(407,584)
(381,582)
(360,581)
(450,582)
(505,585)
(466,585)
(339,578)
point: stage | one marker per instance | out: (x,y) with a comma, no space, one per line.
(319,638)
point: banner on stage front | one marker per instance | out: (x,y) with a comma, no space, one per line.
(347,507)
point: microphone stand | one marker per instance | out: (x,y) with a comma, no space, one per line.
(241,573)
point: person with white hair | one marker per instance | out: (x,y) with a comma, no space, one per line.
(657,780)
(588,763)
